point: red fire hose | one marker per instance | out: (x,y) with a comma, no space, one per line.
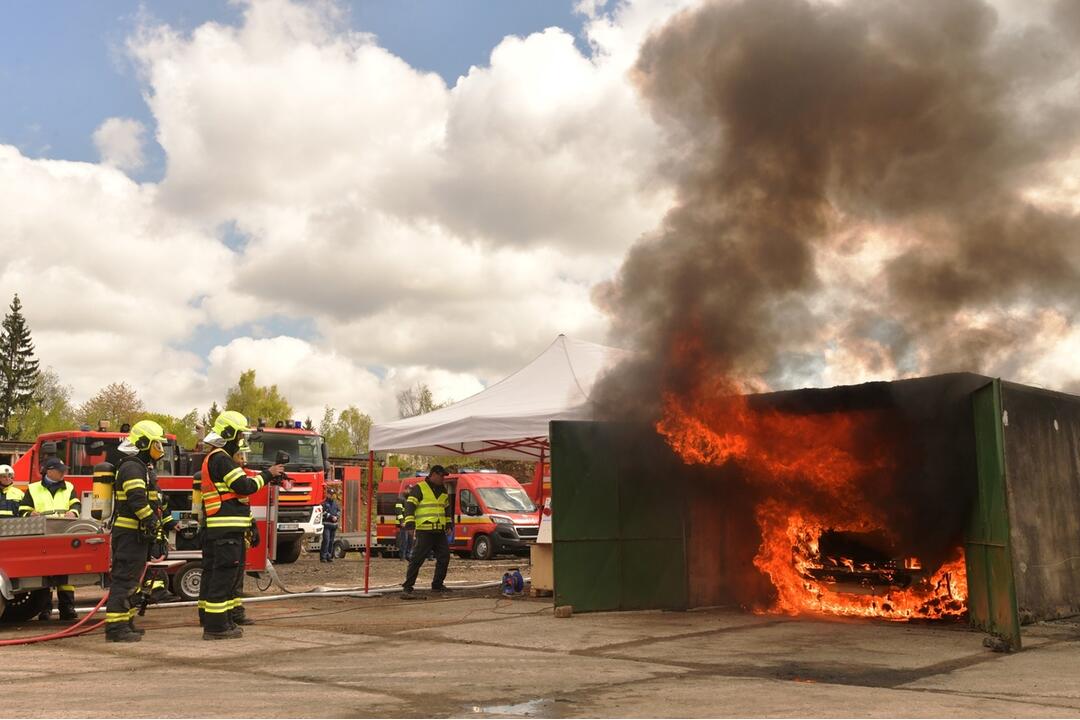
(70,631)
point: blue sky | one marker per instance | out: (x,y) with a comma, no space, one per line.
(63,69)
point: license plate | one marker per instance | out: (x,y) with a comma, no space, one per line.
(288,526)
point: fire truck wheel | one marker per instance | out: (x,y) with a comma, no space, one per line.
(482,548)
(23,606)
(289,551)
(187,581)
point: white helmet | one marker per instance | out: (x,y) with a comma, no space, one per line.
(6,470)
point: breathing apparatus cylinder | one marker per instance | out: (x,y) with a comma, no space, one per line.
(102,506)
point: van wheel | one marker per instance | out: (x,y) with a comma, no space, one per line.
(289,551)
(24,606)
(187,581)
(482,548)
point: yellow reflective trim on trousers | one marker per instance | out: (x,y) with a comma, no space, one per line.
(126,523)
(202,604)
(66,588)
(229,521)
(133,483)
(217,608)
(144,512)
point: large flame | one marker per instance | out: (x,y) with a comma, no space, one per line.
(814,471)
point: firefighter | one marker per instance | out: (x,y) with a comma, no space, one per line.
(427,517)
(54,497)
(136,525)
(10,496)
(228,522)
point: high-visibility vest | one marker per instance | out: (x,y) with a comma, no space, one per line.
(430,513)
(9,501)
(212,495)
(45,501)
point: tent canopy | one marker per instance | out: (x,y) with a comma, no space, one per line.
(508,420)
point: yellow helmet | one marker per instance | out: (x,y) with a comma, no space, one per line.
(230,424)
(144,433)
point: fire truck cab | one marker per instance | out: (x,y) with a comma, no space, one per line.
(492,513)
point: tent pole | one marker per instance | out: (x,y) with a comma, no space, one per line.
(370,493)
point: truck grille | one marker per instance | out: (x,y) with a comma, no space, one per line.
(297,515)
(528,532)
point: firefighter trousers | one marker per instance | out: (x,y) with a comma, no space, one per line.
(427,540)
(130,551)
(223,560)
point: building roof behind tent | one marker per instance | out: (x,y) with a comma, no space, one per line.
(514,411)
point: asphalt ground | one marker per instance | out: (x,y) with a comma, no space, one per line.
(477,654)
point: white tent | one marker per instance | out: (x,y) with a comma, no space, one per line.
(508,420)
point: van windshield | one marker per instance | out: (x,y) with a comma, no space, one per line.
(506,499)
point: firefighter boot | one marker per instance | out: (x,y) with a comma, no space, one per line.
(66,600)
(239,617)
(120,632)
(137,631)
(233,633)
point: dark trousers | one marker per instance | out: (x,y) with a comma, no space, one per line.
(223,563)
(65,594)
(427,540)
(130,551)
(326,552)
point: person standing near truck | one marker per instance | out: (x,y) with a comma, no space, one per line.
(227,520)
(10,496)
(136,524)
(331,513)
(427,517)
(53,496)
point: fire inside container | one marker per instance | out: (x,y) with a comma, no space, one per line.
(901,500)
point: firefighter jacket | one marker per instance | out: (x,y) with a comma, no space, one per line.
(135,480)
(399,508)
(55,500)
(9,501)
(427,508)
(234,486)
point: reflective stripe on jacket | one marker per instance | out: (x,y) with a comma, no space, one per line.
(9,501)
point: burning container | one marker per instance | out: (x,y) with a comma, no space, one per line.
(937,497)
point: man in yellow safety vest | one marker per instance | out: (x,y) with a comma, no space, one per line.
(427,516)
(54,497)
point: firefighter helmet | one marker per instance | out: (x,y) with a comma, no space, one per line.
(144,433)
(6,470)
(230,424)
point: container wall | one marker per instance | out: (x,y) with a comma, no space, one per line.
(617,519)
(1042,470)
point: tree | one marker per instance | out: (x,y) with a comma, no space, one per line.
(257,402)
(211,416)
(53,410)
(346,435)
(417,400)
(116,403)
(308,424)
(18,368)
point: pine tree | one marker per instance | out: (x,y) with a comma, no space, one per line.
(18,367)
(211,416)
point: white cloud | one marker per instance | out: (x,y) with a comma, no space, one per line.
(119,142)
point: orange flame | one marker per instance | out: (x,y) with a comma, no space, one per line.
(815,469)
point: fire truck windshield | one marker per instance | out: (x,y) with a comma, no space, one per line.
(504,499)
(305,451)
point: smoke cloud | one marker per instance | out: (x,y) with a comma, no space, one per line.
(862,176)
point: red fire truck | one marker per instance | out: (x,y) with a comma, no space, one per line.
(492,513)
(82,450)
(33,548)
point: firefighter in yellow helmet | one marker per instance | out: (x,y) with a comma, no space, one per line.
(10,496)
(227,519)
(135,525)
